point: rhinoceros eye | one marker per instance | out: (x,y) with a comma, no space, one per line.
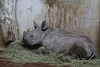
(31,35)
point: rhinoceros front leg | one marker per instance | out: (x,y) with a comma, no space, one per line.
(42,50)
(66,58)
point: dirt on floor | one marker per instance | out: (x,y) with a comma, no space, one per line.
(5,63)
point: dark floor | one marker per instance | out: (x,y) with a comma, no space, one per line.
(5,63)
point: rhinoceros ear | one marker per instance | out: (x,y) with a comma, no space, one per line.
(35,25)
(44,26)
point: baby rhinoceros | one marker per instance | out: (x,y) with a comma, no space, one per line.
(55,40)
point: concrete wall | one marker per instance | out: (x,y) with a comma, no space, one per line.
(8,20)
(80,16)
(2,44)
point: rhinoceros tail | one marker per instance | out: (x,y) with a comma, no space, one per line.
(94,54)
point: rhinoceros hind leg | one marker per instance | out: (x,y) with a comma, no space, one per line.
(66,58)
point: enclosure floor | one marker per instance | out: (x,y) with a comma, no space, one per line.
(5,63)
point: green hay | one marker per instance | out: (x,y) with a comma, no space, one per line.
(19,54)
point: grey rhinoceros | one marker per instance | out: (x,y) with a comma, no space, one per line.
(56,40)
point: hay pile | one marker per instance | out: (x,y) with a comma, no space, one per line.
(19,54)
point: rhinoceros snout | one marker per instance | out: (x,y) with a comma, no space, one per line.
(24,40)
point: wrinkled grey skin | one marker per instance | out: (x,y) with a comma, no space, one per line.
(52,39)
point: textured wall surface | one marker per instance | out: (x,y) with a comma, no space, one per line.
(2,44)
(8,20)
(80,16)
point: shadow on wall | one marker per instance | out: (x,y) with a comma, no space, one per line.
(2,44)
(98,46)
